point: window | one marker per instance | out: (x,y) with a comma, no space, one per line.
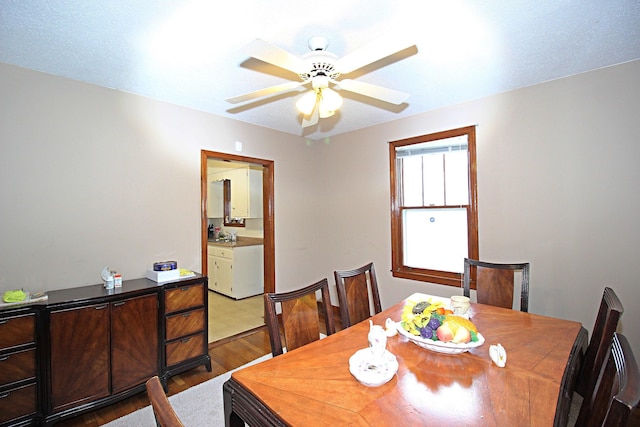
(434,218)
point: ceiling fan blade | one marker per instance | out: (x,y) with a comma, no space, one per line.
(312,118)
(265,92)
(373,91)
(272,54)
(369,53)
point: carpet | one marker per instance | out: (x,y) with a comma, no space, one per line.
(200,405)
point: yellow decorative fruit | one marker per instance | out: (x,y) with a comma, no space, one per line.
(455,321)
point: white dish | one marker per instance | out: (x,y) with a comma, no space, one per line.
(439,346)
(370,372)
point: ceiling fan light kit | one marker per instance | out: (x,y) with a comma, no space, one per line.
(306,103)
(320,68)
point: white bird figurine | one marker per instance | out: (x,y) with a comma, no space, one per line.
(390,328)
(498,354)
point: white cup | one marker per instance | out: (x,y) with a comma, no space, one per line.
(460,304)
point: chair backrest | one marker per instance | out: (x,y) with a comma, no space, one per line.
(300,316)
(162,409)
(606,323)
(495,282)
(618,389)
(354,288)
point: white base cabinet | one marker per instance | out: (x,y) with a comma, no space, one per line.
(237,272)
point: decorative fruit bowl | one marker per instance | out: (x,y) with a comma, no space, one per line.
(440,346)
(427,322)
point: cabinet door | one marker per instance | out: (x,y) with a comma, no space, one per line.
(239,192)
(211,270)
(215,200)
(79,356)
(255,193)
(224,276)
(134,341)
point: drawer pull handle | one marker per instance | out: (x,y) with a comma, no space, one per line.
(183,340)
(2,322)
(186,314)
(186,288)
(101,307)
(2,359)
(119,303)
(4,395)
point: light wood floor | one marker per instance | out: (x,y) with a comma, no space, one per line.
(229,317)
(226,355)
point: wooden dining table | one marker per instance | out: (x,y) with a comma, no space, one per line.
(312,385)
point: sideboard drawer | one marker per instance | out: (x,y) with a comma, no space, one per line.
(16,331)
(18,402)
(184,349)
(182,298)
(188,323)
(17,366)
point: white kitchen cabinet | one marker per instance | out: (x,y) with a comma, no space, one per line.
(238,271)
(215,199)
(246,192)
(255,193)
(239,192)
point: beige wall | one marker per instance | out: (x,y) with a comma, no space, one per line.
(557,186)
(91,177)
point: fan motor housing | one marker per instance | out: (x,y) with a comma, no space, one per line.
(321,63)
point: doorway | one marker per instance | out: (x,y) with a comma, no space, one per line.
(267,227)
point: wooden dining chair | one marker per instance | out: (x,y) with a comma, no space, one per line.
(495,282)
(300,316)
(617,393)
(606,323)
(357,294)
(162,409)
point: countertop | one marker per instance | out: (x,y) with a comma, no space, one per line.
(241,241)
(81,294)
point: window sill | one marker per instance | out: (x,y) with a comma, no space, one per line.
(432,276)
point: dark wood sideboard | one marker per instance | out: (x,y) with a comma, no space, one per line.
(88,347)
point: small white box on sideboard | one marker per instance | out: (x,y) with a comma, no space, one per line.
(163,276)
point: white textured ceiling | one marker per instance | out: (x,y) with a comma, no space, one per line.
(192,52)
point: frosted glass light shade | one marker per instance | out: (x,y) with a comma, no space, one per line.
(306,103)
(329,103)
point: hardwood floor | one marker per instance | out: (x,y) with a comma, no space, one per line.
(225,355)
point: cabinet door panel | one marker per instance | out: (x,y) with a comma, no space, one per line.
(79,355)
(239,192)
(134,341)
(224,276)
(211,269)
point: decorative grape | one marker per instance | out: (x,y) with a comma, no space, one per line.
(426,332)
(434,323)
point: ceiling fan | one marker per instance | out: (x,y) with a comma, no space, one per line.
(320,69)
